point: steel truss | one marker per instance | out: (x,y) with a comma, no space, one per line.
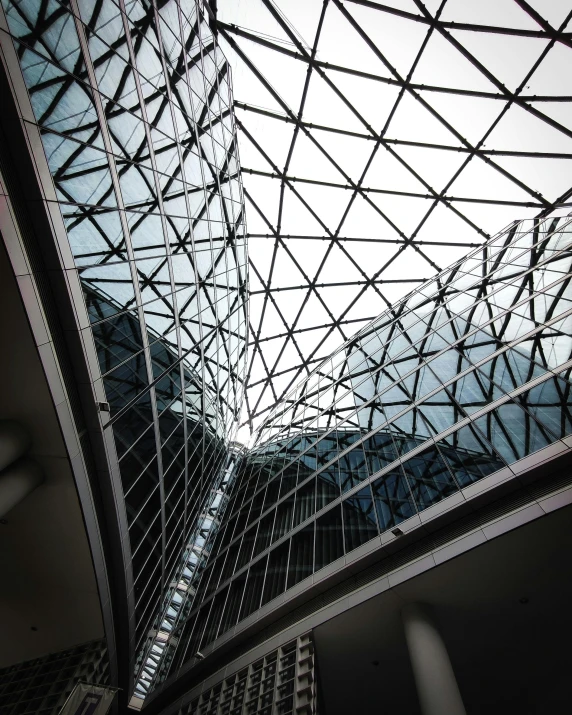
(136,165)
(287,344)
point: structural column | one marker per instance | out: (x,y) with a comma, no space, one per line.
(437,687)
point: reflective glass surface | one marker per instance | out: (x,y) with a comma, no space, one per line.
(459,380)
(134,108)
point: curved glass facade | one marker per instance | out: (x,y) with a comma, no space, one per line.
(133,105)
(464,377)
(128,116)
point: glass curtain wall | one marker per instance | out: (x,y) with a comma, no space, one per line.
(133,103)
(465,376)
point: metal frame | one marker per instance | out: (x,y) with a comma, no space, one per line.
(263,393)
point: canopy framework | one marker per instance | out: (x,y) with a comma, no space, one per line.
(394,140)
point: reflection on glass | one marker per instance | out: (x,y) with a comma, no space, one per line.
(393,500)
(402,417)
(360,524)
(144,165)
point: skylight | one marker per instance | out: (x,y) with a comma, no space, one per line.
(379,143)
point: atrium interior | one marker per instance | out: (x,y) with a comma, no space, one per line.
(286,407)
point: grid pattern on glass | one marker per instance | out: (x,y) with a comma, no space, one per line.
(134,106)
(381,141)
(157,653)
(462,378)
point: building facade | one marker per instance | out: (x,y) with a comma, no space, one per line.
(41,686)
(145,545)
(448,398)
(124,217)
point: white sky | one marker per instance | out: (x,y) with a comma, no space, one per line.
(431,59)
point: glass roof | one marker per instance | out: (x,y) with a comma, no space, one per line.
(379,143)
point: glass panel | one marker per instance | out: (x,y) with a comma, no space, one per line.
(230,562)
(550,403)
(214,618)
(409,431)
(272,493)
(275,582)
(469,456)
(283,523)
(253,590)
(329,538)
(440,411)
(327,486)
(301,556)
(123,384)
(264,533)
(513,432)
(473,391)
(379,450)
(230,613)
(256,508)
(360,524)
(393,500)
(246,547)
(429,478)
(288,479)
(305,503)
(353,468)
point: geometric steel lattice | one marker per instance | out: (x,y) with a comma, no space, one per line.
(468,375)
(379,149)
(133,106)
